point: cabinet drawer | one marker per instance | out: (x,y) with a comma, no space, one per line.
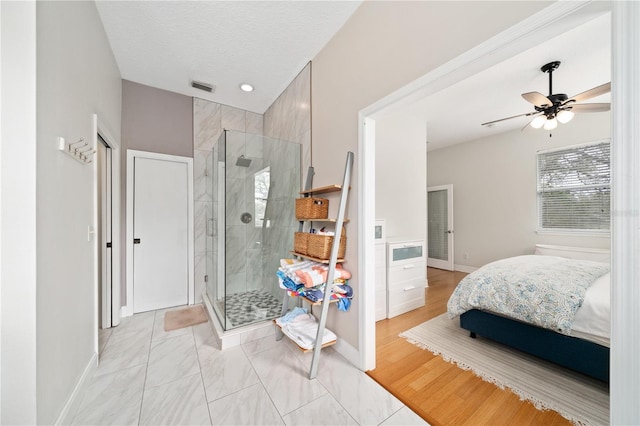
(407,272)
(408,285)
(403,253)
(404,300)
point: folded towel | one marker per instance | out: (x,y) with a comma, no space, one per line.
(296,314)
(303,331)
(318,273)
(287,283)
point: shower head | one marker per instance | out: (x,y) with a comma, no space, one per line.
(242,161)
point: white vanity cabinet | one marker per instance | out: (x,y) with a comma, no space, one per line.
(406,275)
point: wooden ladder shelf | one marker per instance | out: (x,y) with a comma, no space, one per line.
(331,262)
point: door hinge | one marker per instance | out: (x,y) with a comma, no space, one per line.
(108,245)
(136,241)
(206,278)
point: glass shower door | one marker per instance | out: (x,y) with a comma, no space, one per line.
(254,183)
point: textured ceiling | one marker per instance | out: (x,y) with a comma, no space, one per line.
(166,44)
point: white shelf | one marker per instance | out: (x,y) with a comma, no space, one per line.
(315,259)
(305,350)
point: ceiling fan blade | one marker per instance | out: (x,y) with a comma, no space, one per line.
(592,93)
(537,98)
(488,123)
(591,107)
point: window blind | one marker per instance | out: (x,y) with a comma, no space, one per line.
(574,188)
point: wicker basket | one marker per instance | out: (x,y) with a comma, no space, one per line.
(312,208)
(301,242)
(319,246)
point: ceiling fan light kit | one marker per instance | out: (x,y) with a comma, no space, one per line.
(558,107)
(538,122)
(564,116)
(550,124)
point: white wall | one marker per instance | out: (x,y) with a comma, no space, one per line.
(18,213)
(382,47)
(494,187)
(77,76)
(401,175)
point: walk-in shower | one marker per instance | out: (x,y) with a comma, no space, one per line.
(254,181)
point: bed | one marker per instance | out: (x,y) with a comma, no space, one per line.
(553,305)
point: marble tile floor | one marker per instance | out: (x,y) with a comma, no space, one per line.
(148,376)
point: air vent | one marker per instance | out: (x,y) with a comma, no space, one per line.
(203,86)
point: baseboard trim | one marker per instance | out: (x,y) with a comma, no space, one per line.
(350,353)
(71,407)
(126,311)
(464,268)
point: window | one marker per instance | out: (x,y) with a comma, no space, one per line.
(261,183)
(574,188)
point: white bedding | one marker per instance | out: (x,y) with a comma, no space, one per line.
(592,320)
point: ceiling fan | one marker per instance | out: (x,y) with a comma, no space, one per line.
(558,107)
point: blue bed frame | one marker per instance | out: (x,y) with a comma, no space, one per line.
(577,354)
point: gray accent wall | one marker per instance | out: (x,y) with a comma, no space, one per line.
(156,120)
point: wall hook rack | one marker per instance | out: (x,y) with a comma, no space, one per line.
(80,150)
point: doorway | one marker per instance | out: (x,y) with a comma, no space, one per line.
(104,155)
(159,231)
(440,227)
(107,262)
(480,57)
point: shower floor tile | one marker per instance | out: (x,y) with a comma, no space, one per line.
(249,307)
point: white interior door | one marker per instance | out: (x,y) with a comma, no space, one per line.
(440,227)
(160,231)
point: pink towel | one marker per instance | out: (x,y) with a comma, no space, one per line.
(317,274)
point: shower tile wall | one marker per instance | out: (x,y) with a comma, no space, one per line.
(288,119)
(209,119)
(243,241)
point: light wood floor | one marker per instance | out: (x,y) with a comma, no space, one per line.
(438,391)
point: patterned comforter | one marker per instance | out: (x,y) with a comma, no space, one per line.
(542,290)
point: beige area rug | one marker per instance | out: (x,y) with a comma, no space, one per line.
(576,397)
(186,317)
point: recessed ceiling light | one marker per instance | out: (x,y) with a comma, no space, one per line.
(246,87)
